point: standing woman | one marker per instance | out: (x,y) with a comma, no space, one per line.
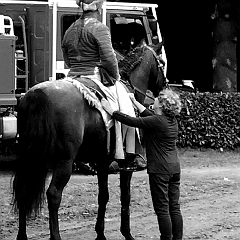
(160,132)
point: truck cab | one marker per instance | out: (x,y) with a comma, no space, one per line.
(129,25)
(39,27)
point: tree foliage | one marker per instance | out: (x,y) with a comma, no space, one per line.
(210,120)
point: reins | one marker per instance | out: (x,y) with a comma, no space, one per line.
(135,89)
(159,66)
(144,94)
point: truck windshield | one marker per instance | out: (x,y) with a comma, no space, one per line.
(127,32)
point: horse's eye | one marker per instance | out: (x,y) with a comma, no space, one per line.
(150,107)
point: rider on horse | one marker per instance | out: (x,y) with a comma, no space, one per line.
(86,45)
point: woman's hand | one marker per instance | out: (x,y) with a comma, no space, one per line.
(106,106)
(133,99)
(136,104)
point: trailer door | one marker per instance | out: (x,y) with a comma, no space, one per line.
(38,29)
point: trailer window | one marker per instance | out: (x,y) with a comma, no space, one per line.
(127,32)
(67,21)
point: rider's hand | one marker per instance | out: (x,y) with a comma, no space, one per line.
(106,106)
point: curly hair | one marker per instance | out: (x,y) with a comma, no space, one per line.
(169,102)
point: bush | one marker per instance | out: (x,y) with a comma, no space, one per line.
(209,120)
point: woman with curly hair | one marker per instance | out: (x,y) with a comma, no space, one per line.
(160,132)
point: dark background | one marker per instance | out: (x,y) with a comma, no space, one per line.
(187,27)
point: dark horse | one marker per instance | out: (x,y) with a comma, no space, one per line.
(57,126)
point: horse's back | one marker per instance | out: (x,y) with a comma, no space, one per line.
(67,100)
(77,122)
(61,92)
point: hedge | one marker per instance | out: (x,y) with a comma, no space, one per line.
(209,120)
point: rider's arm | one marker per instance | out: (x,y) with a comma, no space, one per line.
(65,50)
(65,56)
(106,51)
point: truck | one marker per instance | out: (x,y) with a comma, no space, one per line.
(31,33)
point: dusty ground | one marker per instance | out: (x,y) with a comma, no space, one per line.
(210,200)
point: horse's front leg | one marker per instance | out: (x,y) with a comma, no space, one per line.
(125,184)
(103,197)
(59,180)
(22,233)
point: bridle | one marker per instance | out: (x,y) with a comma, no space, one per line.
(160,67)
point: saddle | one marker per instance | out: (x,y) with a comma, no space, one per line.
(106,79)
(92,86)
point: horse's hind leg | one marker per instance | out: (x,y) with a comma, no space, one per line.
(125,180)
(59,180)
(22,234)
(103,197)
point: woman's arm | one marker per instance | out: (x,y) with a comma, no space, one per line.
(141,108)
(140,122)
(137,104)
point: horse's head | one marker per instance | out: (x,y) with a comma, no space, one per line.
(141,69)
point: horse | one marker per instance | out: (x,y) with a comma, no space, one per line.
(56,126)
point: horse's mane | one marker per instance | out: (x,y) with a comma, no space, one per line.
(130,61)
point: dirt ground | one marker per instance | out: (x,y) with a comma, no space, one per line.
(210,203)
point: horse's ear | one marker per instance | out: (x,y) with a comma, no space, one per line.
(157,47)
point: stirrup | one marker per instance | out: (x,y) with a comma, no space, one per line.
(129,166)
(128,169)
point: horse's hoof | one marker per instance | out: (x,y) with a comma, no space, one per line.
(129,237)
(22,237)
(101,237)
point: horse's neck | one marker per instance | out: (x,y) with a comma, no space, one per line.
(139,79)
(144,72)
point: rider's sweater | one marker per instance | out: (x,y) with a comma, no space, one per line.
(87,43)
(160,135)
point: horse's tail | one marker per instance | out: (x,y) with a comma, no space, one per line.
(37,135)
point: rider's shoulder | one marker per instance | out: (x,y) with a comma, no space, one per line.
(101,26)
